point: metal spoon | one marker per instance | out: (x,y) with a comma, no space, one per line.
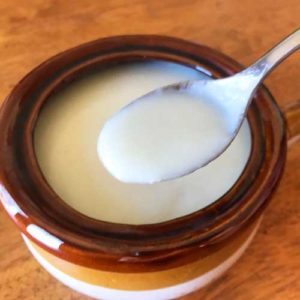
(232,94)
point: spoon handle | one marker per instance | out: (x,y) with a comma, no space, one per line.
(262,67)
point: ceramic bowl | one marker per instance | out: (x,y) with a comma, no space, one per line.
(118,261)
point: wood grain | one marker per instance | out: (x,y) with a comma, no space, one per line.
(31,31)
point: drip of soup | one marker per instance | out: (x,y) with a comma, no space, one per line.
(66,138)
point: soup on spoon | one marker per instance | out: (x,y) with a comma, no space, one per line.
(161,137)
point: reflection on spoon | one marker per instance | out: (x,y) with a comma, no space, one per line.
(180,128)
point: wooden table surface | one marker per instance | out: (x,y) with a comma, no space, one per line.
(31,31)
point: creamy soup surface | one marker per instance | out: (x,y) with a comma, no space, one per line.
(66,147)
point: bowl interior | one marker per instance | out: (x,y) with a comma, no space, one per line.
(65,140)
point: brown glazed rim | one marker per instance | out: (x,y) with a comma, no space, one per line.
(121,247)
